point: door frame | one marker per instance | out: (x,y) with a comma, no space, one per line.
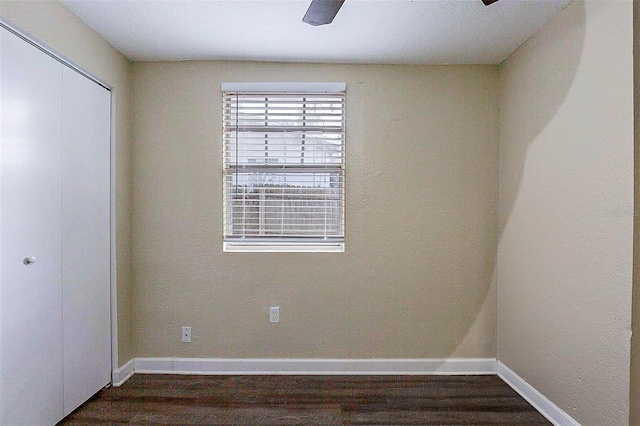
(113,270)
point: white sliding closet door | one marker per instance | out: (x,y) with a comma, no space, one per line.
(55,260)
(31,365)
(86,229)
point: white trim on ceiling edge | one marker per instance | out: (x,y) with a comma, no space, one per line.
(248,366)
(551,411)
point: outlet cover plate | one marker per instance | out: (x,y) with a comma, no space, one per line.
(186,334)
(274,314)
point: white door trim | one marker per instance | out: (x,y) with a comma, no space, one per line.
(51,52)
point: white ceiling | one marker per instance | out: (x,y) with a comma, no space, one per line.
(365,31)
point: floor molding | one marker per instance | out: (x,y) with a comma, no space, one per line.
(213,366)
(552,412)
(122,374)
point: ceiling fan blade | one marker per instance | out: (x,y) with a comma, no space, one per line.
(488,2)
(322,12)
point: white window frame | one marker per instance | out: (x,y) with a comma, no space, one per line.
(260,244)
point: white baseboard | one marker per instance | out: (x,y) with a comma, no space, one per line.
(213,366)
(122,374)
(552,412)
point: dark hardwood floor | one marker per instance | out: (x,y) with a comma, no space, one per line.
(308,400)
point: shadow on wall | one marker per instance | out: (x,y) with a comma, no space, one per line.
(543,105)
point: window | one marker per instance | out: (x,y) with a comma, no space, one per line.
(284,166)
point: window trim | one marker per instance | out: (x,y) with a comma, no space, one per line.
(244,244)
(282,247)
(263,86)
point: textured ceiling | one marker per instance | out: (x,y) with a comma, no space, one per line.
(365,31)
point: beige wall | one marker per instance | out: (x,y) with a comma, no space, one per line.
(415,280)
(635,342)
(566,211)
(52,24)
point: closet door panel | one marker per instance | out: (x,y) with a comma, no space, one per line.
(31,364)
(86,229)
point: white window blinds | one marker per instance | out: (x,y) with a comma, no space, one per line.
(284,167)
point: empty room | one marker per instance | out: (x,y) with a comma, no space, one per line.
(324,212)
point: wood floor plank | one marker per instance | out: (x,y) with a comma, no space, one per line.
(307,400)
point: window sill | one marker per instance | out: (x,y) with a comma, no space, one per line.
(271,247)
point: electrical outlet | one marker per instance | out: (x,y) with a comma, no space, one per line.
(186,334)
(274,314)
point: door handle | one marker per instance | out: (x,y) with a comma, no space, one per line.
(29,260)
